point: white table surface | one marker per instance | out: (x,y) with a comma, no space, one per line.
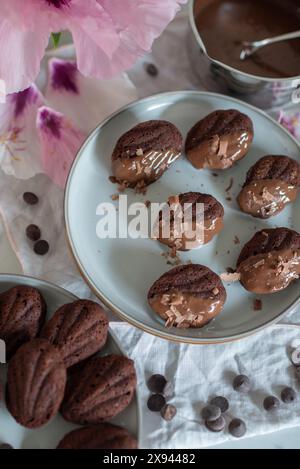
(278,440)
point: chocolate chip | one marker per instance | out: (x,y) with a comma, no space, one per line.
(152,70)
(5,446)
(288,395)
(156,383)
(295,357)
(30,198)
(237,428)
(168,412)
(220,402)
(241,383)
(211,412)
(156,402)
(41,247)
(33,232)
(216,425)
(271,403)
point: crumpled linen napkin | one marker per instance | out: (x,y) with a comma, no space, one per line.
(202,372)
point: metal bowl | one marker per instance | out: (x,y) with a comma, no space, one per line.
(275,91)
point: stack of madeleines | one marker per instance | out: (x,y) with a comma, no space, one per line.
(53,367)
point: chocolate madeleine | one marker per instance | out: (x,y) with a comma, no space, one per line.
(36,382)
(22,314)
(204,220)
(270,185)
(270,261)
(103,436)
(187,296)
(99,390)
(145,152)
(219,140)
(78,330)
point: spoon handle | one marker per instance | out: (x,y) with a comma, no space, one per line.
(250,48)
(273,40)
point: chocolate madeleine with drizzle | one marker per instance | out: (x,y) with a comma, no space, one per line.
(270,261)
(219,140)
(270,185)
(145,152)
(204,220)
(187,296)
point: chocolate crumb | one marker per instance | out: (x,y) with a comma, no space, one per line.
(171,260)
(230,270)
(236,240)
(147,203)
(229,199)
(230,185)
(215,175)
(141,188)
(257,305)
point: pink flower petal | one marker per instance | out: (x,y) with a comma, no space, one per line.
(137,25)
(24,39)
(19,144)
(87,101)
(91,27)
(60,142)
(141,22)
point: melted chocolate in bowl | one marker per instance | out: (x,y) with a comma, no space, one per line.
(224,24)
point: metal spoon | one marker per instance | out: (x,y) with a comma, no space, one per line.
(250,48)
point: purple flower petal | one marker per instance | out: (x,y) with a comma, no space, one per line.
(23,99)
(59,3)
(64,75)
(50,121)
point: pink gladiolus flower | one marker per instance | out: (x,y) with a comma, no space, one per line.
(60,142)
(108,35)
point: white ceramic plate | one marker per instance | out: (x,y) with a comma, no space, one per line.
(121,271)
(48,437)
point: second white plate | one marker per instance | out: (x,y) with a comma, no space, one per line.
(121,271)
(48,436)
